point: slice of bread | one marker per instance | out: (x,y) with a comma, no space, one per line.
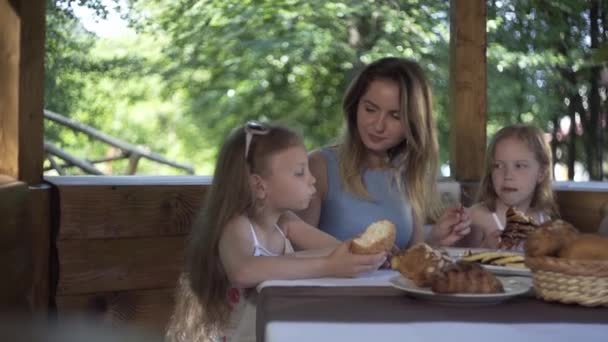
(377,237)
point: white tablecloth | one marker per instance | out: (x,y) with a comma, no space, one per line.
(434,331)
(376,278)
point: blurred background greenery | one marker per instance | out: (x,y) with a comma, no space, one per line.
(179,75)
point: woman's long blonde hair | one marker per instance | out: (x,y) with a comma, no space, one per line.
(543,198)
(201,305)
(415,159)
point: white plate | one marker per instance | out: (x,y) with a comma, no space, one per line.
(458,253)
(513,287)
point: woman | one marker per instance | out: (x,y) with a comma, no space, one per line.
(386,164)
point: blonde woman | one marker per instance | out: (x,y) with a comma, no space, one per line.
(386,164)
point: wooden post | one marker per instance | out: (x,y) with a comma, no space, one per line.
(26,204)
(467,89)
(22,28)
(15,257)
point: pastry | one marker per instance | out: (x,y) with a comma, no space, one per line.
(420,263)
(550,238)
(466,277)
(586,247)
(516,230)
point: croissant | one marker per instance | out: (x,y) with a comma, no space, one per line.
(466,277)
(420,262)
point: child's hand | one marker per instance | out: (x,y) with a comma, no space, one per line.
(453,225)
(491,239)
(393,251)
(343,263)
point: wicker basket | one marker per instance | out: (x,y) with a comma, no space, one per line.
(583,282)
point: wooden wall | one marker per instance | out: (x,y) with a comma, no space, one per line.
(583,205)
(22,31)
(118,242)
(119,245)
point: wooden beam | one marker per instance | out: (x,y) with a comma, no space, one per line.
(22,29)
(12,194)
(55,165)
(68,158)
(467,88)
(10,31)
(15,246)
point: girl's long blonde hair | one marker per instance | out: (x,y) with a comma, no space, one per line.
(201,305)
(543,198)
(415,159)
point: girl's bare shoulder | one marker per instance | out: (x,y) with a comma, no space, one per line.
(237,227)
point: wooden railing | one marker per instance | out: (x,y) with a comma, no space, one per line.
(119,241)
(128,151)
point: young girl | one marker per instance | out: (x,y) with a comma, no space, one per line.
(517,174)
(240,239)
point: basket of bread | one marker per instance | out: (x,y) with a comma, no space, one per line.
(568,266)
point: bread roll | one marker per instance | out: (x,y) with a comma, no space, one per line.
(420,263)
(550,238)
(377,237)
(586,247)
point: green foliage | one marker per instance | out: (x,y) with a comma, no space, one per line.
(284,61)
(542,67)
(196,69)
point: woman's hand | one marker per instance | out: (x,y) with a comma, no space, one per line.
(453,225)
(343,263)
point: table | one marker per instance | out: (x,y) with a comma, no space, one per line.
(313,313)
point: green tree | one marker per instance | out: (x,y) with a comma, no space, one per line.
(541,70)
(213,64)
(287,60)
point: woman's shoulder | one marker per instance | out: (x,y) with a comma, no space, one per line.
(317,156)
(318,160)
(324,153)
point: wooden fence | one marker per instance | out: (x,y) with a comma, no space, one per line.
(119,242)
